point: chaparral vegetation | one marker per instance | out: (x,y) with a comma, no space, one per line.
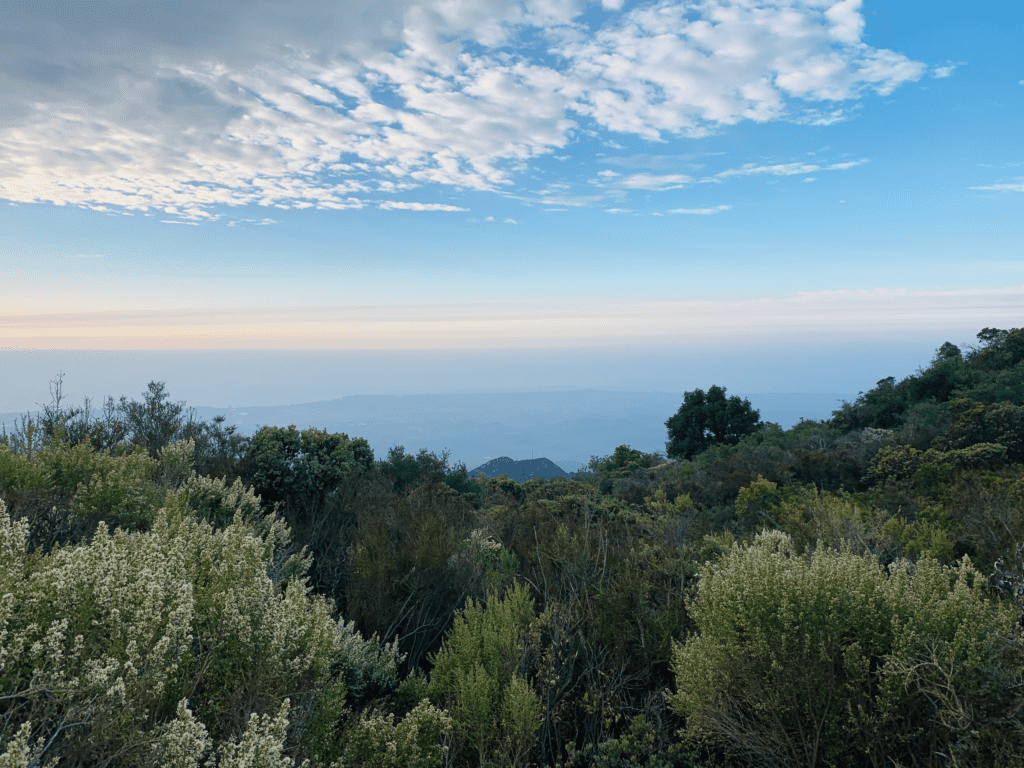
(847,592)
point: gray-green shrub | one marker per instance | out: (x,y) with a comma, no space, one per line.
(828,658)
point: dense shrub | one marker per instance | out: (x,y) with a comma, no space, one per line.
(480,674)
(138,639)
(828,658)
(410,565)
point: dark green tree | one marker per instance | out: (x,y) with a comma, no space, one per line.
(157,421)
(302,468)
(318,480)
(708,418)
(998,349)
(406,470)
(616,470)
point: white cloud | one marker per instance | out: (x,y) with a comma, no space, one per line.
(652,181)
(702,211)
(1014,186)
(618,210)
(788,169)
(687,68)
(271,104)
(255,222)
(576,201)
(511,221)
(392,205)
(941,72)
(847,23)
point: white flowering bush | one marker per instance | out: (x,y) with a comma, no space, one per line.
(213,499)
(418,740)
(185,743)
(101,645)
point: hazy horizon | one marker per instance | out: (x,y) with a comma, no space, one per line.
(567,427)
(269,378)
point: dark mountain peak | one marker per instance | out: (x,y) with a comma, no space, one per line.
(520,471)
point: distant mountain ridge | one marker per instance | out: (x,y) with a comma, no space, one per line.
(520,471)
(568,427)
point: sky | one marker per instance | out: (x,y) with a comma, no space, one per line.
(796,181)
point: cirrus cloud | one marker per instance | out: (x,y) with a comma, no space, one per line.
(393,205)
(789,169)
(1013,186)
(702,211)
(652,181)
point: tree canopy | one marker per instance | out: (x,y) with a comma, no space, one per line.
(707,418)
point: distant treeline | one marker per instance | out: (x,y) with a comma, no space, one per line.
(847,592)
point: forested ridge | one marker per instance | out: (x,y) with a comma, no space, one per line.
(847,592)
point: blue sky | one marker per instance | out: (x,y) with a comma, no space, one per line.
(494,175)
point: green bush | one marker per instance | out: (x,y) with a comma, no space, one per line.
(300,468)
(821,659)
(640,746)
(18,473)
(479,672)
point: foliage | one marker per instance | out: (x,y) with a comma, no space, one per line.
(1006,385)
(989,373)
(410,566)
(999,349)
(406,470)
(814,659)
(1000,423)
(101,643)
(419,740)
(612,578)
(19,473)
(301,468)
(156,421)
(642,745)
(318,480)
(479,672)
(64,490)
(612,474)
(899,462)
(214,500)
(708,418)
(151,424)
(190,628)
